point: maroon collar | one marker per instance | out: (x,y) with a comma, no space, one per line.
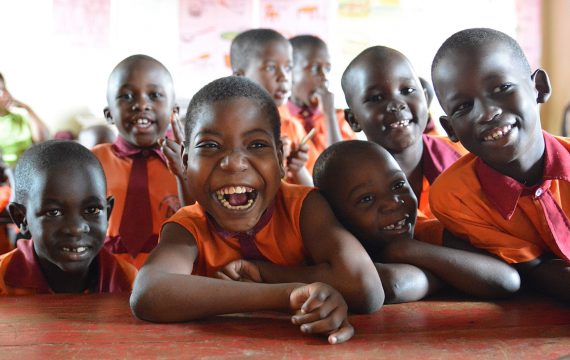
(437,156)
(123,149)
(306,113)
(24,271)
(504,192)
(263,220)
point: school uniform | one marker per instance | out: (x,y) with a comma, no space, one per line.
(160,189)
(276,238)
(496,213)
(315,118)
(5,245)
(20,273)
(438,154)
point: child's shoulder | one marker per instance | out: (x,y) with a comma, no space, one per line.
(459,177)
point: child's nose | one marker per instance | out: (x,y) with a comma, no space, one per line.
(391,203)
(283,73)
(395,106)
(141,104)
(488,110)
(76,225)
(234,162)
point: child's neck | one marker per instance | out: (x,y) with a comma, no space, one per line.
(410,161)
(528,169)
(60,281)
(300,103)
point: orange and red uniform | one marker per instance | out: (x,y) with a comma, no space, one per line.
(20,272)
(500,215)
(438,154)
(5,193)
(162,189)
(294,130)
(278,239)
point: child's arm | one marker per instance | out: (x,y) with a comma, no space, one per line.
(473,273)
(405,283)
(40,131)
(173,149)
(338,258)
(326,101)
(548,275)
(166,291)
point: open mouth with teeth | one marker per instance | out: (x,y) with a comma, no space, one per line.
(498,133)
(142,123)
(75,253)
(400,124)
(398,225)
(236,197)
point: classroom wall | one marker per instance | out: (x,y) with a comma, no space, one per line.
(57,54)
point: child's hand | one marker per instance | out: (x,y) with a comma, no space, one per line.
(325,99)
(240,270)
(172,149)
(321,310)
(298,158)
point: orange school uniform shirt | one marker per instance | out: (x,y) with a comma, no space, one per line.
(293,129)
(315,118)
(163,193)
(497,213)
(20,272)
(279,238)
(5,245)
(438,154)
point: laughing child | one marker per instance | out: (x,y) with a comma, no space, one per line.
(246,217)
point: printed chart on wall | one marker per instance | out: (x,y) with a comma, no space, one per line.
(206,31)
(82,23)
(294,17)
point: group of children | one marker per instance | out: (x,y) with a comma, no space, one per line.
(392,219)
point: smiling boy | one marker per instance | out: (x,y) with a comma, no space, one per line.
(140,97)
(372,198)
(60,202)
(510,196)
(245,216)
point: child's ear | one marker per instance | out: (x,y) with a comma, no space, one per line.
(176,110)
(110,205)
(108,116)
(542,85)
(351,120)
(18,214)
(448,129)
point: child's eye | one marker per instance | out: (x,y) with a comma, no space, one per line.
(408,91)
(127,96)
(374,98)
(258,145)
(288,69)
(93,210)
(366,199)
(54,212)
(399,185)
(270,68)
(502,88)
(461,108)
(208,145)
(155,95)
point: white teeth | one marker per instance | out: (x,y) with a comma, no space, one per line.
(398,225)
(75,250)
(498,133)
(400,124)
(230,190)
(143,122)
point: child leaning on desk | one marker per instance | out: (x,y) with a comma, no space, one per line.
(60,203)
(278,242)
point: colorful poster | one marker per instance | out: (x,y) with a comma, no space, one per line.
(295,17)
(82,23)
(207,28)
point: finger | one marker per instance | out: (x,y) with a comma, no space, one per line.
(177,130)
(221,275)
(326,325)
(344,333)
(230,272)
(315,300)
(317,314)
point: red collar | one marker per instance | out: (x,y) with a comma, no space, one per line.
(24,271)
(123,148)
(504,192)
(437,156)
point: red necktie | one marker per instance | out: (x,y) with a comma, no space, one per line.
(248,248)
(136,225)
(557,221)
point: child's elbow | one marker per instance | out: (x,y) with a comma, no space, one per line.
(145,299)
(371,296)
(508,283)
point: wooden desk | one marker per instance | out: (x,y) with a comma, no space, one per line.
(101,326)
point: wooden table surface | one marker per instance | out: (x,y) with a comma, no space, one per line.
(101,327)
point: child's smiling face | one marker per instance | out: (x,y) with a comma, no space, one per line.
(490,102)
(233,162)
(140,98)
(387,100)
(372,197)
